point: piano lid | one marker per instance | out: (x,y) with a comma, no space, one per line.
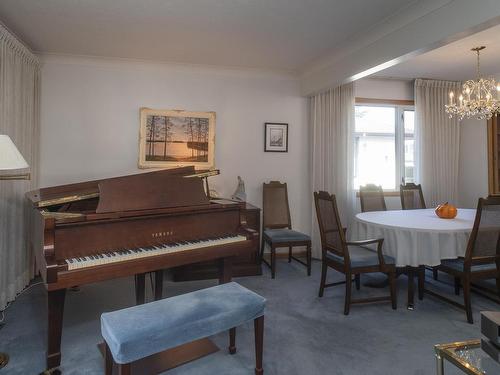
(149,191)
(63,194)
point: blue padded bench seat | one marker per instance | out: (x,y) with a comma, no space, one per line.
(285,235)
(137,332)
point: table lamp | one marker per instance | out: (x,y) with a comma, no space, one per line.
(12,167)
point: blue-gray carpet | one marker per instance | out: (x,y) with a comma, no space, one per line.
(304,334)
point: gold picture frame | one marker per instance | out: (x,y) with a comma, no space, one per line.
(175,138)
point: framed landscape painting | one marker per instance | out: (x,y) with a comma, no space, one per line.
(172,138)
(275,137)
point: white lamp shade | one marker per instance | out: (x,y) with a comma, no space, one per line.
(11,160)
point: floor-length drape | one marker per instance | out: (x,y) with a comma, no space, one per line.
(19,118)
(437,141)
(331,122)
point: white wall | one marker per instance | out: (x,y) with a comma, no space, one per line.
(473,163)
(90,122)
(378,88)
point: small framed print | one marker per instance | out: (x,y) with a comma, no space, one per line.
(275,137)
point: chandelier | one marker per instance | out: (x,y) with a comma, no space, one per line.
(479,98)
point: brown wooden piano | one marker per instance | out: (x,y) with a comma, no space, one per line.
(129,226)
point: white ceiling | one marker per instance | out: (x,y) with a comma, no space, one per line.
(454,61)
(269,34)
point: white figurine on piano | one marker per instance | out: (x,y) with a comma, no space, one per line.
(239,193)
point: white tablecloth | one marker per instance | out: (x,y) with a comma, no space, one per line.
(416,237)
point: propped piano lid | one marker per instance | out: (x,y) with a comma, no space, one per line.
(57,195)
(149,191)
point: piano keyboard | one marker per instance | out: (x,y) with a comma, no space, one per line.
(143,252)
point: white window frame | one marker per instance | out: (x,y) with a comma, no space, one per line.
(399,134)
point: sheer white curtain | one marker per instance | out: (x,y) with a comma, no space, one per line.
(332,122)
(437,141)
(19,118)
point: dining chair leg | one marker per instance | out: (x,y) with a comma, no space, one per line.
(309,259)
(262,247)
(289,254)
(273,262)
(457,286)
(392,286)
(324,268)
(348,283)
(357,279)
(232,340)
(467,299)
(410,273)
(421,282)
(259,344)
(498,286)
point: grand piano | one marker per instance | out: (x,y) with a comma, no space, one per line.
(130,226)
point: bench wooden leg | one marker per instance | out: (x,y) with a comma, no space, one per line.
(259,344)
(124,369)
(108,360)
(232,341)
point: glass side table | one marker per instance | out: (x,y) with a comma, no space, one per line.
(467,356)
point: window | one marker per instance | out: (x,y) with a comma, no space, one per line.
(384,145)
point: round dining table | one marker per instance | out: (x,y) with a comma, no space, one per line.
(416,238)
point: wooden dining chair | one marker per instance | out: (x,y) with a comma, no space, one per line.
(371,198)
(412,197)
(277,226)
(482,257)
(351,258)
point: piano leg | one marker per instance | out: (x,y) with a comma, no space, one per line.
(140,286)
(55,305)
(158,284)
(225,270)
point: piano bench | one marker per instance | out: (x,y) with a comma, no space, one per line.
(137,332)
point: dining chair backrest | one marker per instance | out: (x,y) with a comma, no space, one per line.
(330,228)
(412,197)
(275,209)
(371,198)
(484,241)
